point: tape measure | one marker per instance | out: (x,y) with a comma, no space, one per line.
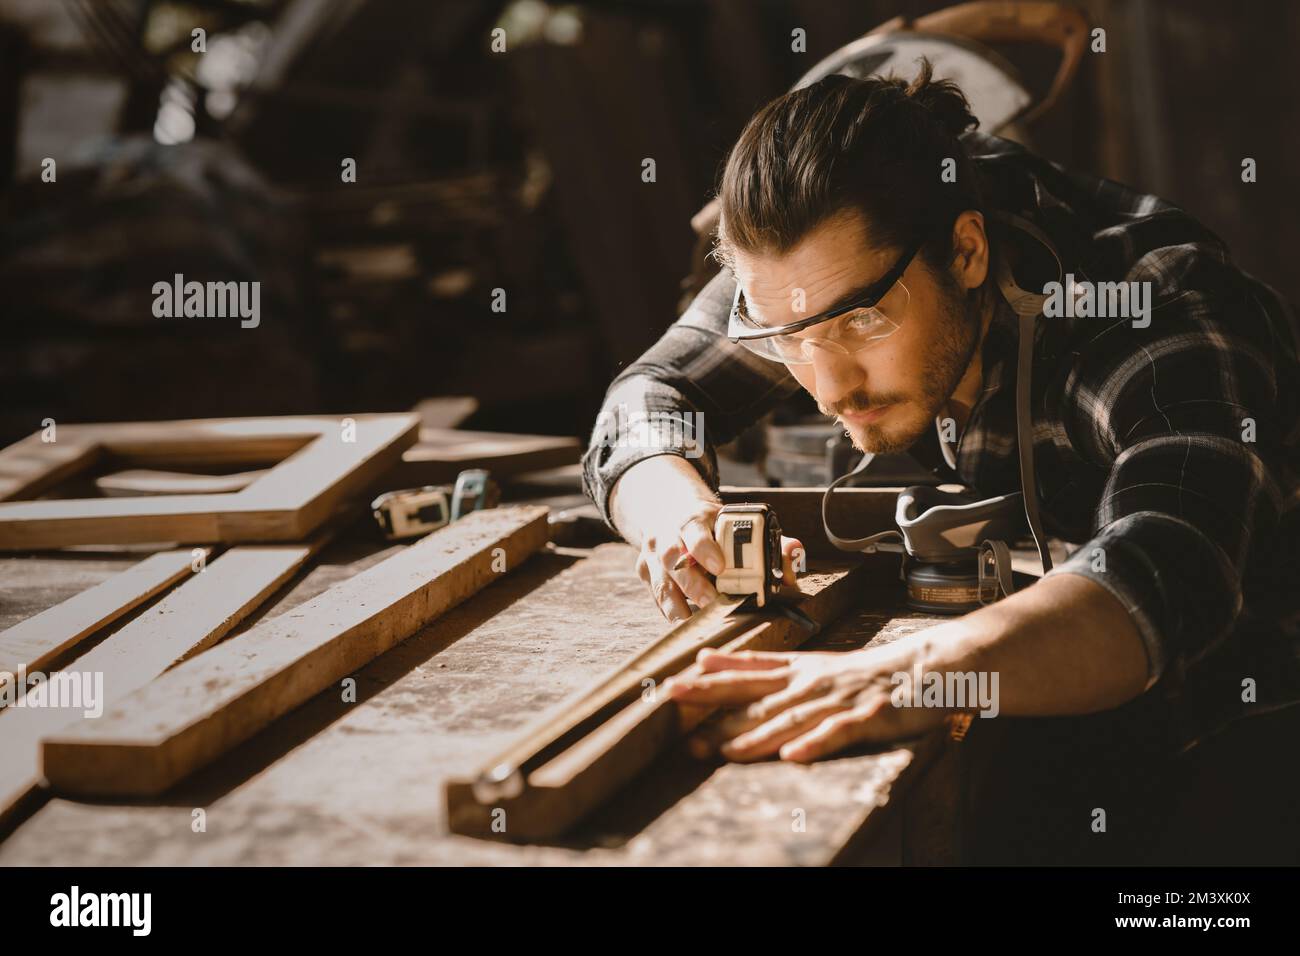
(750,538)
(413,512)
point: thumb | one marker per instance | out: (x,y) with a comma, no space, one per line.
(793,559)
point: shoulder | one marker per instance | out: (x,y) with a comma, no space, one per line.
(1200,362)
(1103,229)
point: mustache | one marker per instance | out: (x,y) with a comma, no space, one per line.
(858,402)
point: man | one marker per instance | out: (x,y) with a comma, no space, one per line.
(1165,439)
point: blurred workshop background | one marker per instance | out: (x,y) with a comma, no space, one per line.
(477,171)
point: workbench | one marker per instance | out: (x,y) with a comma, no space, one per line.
(339,783)
(353,783)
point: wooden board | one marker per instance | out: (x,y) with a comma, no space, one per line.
(34,643)
(442,453)
(339,783)
(35,582)
(319,467)
(575,780)
(30,467)
(445,411)
(191,618)
(200,710)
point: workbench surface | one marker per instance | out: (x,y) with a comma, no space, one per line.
(338,783)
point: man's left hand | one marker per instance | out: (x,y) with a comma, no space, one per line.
(802,705)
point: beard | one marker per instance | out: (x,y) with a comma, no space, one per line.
(946,363)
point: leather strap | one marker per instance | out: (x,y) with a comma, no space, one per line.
(880,541)
(1025,440)
(995,571)
(1028,306)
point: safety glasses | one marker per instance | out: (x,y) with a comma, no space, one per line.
(864,320)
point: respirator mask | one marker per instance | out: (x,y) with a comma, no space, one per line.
(955,545)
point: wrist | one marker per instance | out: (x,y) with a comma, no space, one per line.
(664,484)
(935,661)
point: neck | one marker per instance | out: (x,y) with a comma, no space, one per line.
(967,392)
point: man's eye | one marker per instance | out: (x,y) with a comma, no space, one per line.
(860,320)
(750,320)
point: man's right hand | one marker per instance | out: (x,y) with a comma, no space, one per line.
(663,507)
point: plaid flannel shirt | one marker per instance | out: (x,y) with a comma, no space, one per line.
(1171,453)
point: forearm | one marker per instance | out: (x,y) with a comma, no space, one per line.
(1064,645)
(643,420)
(689,393)
(650,486)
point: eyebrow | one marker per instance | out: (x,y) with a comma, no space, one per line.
(846,299)
(853,296)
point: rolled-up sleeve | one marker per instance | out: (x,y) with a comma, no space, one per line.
(689,393)
(1183,418)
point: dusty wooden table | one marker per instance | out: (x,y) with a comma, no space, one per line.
(361,783)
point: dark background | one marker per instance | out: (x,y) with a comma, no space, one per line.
(478,171)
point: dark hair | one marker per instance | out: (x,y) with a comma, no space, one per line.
(874,144)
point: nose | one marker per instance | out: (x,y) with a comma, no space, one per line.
(835,372)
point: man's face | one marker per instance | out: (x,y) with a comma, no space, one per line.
(888,393)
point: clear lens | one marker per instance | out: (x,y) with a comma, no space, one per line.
(844,334)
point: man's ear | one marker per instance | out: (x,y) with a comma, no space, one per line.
(970,264)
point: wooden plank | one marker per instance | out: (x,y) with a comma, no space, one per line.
(442,453)
(847,807)
(586,772)
(31,466)
(445,411)
(337,783)
(190,619)
(290,501)
(183,721)
(745,814)
(709,628)
(34,643)
(34,583)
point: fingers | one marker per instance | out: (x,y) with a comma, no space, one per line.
(761,711)
(793,559)
(667,595)
(712,661)
(712,736)
(672,586)
(695,584)
(726,687)
(697,536)
(831,735)
(794,723)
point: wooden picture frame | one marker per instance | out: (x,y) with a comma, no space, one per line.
(321,461)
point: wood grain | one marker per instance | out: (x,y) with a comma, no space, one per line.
(336,783)
(31,466)
(32,644)
(191,618)
(203,708)
(574,781)
(290,501)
